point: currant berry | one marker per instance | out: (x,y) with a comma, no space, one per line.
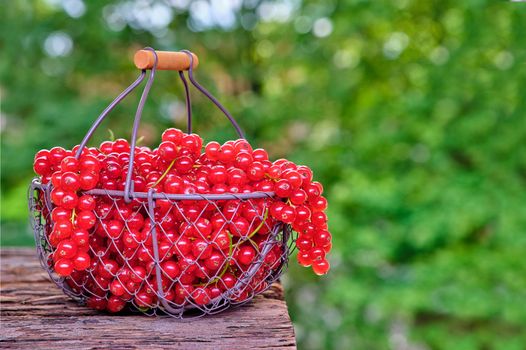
(239,227)
(82,261)
(56,196)
(66,249)
(217,175)
(86,219)
(305,173)
(304,259)
(260,155)
(80,238)
(228,281)
(298,197)
(62,229)
(117,288)
(88,180)
(89,164)
(201,296)
(192,142)
(59,214)
(212,150)
(184,164)
(57,154)
(319,219)
(97,303)
(246,255)
(317,254)
(183,246)
(63,267)
(86,202)
(243,160)
(287,214)
(221,240)
(321,267)
(322,238)
(108,268)
(255,171)
(138,274)
(113,228)
(226,154)
(42,166)
(115,304)
(283,188)
(168,151)
(69,164)
(236,177)
(214,261)
(303,213)
(69,200)
(170,269)
(173,135)
(293,177)
(304,244)
(121,146)
(143,299)
(318,203)
(312,190)
(201,249)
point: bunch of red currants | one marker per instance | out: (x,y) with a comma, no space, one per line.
(104,246)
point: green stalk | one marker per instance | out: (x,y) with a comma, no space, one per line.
(164,174)
(265,216)
(73,215)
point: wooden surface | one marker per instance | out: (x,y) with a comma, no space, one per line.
(36,315)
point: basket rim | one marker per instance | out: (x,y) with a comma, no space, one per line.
(37,184)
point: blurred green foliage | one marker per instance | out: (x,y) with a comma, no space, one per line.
(412,114)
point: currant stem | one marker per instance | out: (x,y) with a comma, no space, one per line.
(265,216)
(73,215)
(164,174)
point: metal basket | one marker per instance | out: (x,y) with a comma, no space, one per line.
(224,284)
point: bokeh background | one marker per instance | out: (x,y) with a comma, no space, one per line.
(411,113)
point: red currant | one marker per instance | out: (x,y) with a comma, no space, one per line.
(246,255)
(115,304)
(86,219)
(64,267)
(173,135)
(168,151)
(321,267)
(82,261)
(66,249)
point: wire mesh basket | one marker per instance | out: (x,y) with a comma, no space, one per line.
(184,255)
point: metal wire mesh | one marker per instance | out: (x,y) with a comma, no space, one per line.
(146,250)
(156,232)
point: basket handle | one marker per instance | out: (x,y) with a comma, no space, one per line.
(173,60)
(166,60)
(207,94)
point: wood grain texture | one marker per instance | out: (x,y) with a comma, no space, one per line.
(36,315)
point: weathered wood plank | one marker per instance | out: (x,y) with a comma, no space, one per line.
(35,314)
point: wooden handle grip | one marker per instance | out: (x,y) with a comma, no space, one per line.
(166,60)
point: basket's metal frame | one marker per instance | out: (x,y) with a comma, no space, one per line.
(39,197)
